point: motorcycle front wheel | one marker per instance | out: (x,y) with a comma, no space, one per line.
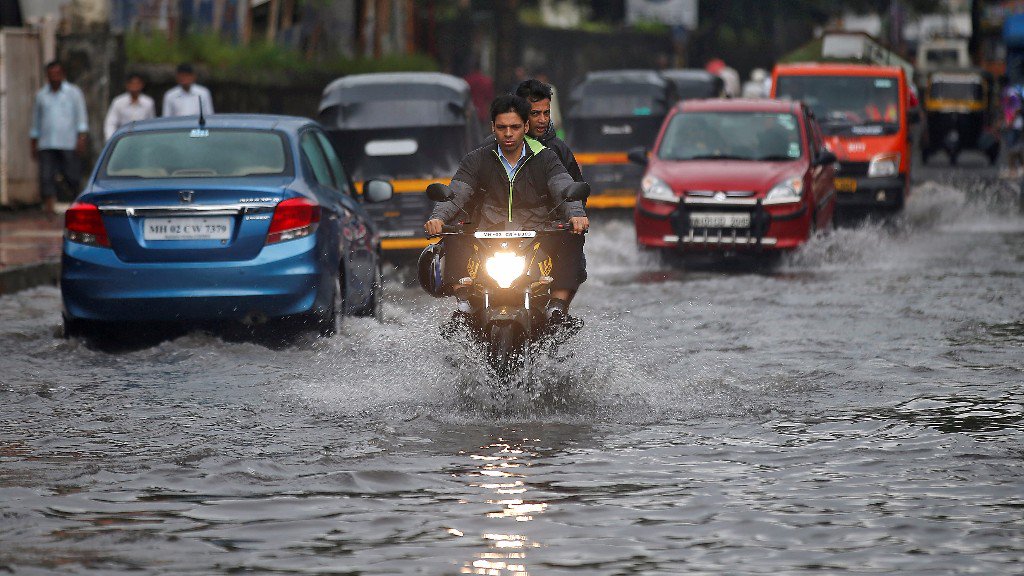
(505,349)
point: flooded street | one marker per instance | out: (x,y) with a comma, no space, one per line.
(859,408)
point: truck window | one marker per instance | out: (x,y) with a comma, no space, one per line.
(858,105)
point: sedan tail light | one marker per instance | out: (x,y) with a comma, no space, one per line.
(83,224)
(293,218)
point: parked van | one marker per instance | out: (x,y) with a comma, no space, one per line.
(864,114)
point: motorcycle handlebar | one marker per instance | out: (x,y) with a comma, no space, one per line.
(456,229)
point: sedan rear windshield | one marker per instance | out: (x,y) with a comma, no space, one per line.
(197,153)
(755,136)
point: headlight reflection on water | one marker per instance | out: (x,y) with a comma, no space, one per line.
(503,471)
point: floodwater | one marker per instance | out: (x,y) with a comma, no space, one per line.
(859,408)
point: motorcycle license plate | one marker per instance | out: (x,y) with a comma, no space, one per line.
(719,220)
(845,184)
(505,234)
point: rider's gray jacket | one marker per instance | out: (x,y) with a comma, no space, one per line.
(524,200)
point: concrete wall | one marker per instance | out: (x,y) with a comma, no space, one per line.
(20,76)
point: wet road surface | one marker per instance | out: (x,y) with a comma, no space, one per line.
(859,408)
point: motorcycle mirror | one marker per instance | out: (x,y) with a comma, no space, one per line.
(577,191)
(440,192)
(377,190)
(638,155)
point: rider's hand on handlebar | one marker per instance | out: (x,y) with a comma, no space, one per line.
(579,224)
(433,227)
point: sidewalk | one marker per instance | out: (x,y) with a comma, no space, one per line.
(29,248)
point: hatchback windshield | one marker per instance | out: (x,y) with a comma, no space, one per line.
(757,136)
(847,104)
(197,154)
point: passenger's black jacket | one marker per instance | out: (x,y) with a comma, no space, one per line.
(527,200)
(551,140)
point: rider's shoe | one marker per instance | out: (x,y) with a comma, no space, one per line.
(559,322)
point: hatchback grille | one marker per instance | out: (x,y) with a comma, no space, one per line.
(726,236)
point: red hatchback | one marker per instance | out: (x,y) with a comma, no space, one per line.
(730,175)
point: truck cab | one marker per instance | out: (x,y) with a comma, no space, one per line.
(863,111)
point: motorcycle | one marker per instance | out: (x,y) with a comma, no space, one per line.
(506,289)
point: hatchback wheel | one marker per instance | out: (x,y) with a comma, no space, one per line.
(375,308)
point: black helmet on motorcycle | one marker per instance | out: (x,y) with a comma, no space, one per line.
(430,270)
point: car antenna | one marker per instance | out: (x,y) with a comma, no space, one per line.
(202,119)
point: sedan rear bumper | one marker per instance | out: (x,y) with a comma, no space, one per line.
(283,280)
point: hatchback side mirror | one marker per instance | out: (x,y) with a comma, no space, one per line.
(826,157)
(377,190)
(638,155)
(440,192)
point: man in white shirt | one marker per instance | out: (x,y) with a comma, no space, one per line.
(183,99)
(129,107)
(59,133)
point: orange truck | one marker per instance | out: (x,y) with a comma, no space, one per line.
(864,113)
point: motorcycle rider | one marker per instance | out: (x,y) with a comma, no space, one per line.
(539,95)
(518,183)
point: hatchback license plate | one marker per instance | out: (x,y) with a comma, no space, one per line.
(187,228)
(719,220)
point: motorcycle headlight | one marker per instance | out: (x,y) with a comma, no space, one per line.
(884,165)
(505,267)
(785,192)
(653,188)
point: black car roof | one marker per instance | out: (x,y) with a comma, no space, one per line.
(389,85)
(395,99)
(625,76)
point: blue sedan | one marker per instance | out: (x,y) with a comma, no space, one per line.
(231,218)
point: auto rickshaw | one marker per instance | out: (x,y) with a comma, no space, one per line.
(611,112)
(412,128)
(959,113)
(695,83)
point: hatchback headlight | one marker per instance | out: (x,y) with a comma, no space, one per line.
(653,188)
(505,267)
(884,165)
(785,192)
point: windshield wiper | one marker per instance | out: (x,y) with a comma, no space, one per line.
(775,158)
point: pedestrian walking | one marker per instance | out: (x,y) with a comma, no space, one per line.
(129,107)
(184,99)
(481,90)
(59,134)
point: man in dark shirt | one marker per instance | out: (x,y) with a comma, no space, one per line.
(538,94)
